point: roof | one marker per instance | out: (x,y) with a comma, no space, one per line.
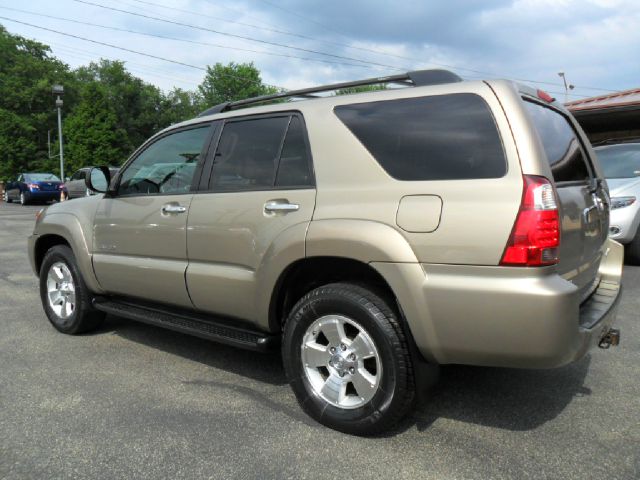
(626,98)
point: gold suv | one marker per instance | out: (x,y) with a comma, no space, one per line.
(373,236)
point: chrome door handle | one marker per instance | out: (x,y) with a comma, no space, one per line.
(171,208)
(278,207)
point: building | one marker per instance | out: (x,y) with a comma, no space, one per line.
(614,116)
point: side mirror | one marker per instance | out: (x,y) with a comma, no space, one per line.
(98,179)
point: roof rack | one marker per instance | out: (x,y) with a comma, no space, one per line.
(417,78)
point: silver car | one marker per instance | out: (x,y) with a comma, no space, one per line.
(76,186)
(621,165)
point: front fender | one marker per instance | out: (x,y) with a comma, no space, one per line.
(67,226)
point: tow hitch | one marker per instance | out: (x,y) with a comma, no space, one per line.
(611,338)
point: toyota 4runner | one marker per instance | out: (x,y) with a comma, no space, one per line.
(372,236)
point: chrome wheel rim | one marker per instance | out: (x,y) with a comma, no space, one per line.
(341,361)
(22,198)
(61,290)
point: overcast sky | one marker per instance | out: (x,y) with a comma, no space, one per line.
(596,42)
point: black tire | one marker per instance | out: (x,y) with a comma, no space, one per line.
(633,250)
(84,317)
(24,200)
(6,198)
(396,392)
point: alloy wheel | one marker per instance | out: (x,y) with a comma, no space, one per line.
(61,290)
(341,361)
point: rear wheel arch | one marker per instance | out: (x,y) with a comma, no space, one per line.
(305,274)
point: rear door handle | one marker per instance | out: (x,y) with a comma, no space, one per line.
(173,208)
(280,207)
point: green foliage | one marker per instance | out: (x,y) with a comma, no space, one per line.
(27,72)
(92,134)
(236,81)
(107,111)
(361,89)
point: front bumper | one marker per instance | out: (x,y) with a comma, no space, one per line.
(504,317)
(623,223)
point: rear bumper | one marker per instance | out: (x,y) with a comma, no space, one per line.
(506,317)
(43,195)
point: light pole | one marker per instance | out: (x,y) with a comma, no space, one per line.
(567,87)
(58,92)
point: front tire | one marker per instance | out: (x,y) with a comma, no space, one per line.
(6,197)
(65,297)
(347,359)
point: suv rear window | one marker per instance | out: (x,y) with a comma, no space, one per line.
(443,137)
(563,149)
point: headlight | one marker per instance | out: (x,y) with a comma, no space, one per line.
(619,202)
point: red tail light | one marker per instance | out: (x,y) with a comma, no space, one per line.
(535,238)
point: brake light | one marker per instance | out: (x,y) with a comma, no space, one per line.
(33,186)
(535,238)
(542,95)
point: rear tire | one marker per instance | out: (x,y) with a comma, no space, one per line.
(23,199)
(633,250)
(347,359)
(65,297)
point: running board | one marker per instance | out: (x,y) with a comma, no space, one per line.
(198,325)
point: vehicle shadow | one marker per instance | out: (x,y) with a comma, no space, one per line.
(510,399)
(262,367)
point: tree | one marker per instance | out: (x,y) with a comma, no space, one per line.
(92,134)
(27,71)
(179,105)
(361,89)
(235,81)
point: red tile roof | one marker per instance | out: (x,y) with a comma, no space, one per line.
(612,100)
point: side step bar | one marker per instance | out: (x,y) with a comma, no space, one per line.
(207,327)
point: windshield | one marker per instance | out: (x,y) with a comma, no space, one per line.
(41,177)
(620,161)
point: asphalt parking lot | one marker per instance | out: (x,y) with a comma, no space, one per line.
(134,401)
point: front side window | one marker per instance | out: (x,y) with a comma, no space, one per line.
(261,154)
(560,142)
(79,175)
(167,166)
(441,137)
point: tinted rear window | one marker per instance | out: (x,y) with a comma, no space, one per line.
(444,137)
(563,149)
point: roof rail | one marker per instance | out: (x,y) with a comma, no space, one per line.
(418,78)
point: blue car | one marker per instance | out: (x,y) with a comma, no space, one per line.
(33,187)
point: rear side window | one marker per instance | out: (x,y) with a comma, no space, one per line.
(444,137)
(561,145)
(261,154)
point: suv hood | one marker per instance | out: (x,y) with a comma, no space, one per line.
(619,186)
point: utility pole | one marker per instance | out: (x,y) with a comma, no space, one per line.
(58,92)
(567,87)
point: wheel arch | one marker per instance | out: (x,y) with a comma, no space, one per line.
(307,273)
(61,229)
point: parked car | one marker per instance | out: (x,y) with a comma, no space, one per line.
(33,187)
(76,187)
(373,236)
(621,166)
